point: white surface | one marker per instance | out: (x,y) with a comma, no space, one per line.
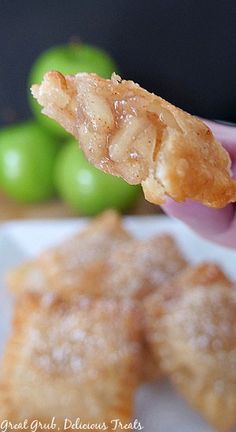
(158,407)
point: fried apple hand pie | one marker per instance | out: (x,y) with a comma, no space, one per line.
(79,358)
(193,333)
(103,261)
(128,132)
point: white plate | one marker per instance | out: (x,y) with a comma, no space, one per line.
(158,407)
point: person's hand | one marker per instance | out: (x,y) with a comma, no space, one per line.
(218,225)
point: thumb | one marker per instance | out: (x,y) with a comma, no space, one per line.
(204,220)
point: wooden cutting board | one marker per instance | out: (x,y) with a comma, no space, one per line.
(56,209)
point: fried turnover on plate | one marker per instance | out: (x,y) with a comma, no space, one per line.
(101,261)
(75,264)
(130,269)
(134,134)
(79,358)
(194,334)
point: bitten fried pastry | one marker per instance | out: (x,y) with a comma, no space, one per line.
(73,359)
(193,332)
(128,132)
(75,264)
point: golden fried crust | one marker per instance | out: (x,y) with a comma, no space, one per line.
(79,358)
(129,132)
(194,335)
(74,265)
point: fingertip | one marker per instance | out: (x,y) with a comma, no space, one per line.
(206,221)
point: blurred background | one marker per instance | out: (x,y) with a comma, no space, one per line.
(184,50)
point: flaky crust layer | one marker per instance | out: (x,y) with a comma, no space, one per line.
(134,134)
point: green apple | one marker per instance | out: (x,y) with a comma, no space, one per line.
(86,189)
(27,157)
(68,59)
